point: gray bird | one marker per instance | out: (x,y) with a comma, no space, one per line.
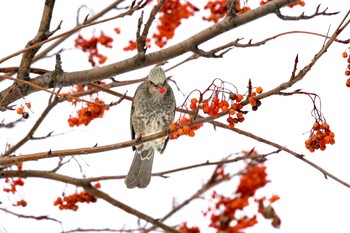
(152,111)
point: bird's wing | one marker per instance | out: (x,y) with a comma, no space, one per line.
(131,126)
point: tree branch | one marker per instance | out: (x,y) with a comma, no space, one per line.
(79,77)
(41,217)
(303,16)
(42,35)
(92,190)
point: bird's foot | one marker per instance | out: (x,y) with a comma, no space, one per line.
(139,138)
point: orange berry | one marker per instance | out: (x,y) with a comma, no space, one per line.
(327,139)
(58,201)
(347,72)
(331,134)
(98,185)
(173,135)
(231,111)
(74,207)
(252,101)
(216,100)
(180,131)
(186,129)
(259,90)
(234,106)
(325,126)
(345,54)
(185,119)
(348,82)
(195,127)
(172,126)
(240,114)
(316,126)
(19,165)
(191,133)
(308,142)
(224,108)
(205,109)
(20,110)
(194,101)
(22,203)
(239,98)
(220,104)
(193,106)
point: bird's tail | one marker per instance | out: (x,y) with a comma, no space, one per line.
(140,171)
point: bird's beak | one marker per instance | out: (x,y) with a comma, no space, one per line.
(161,90)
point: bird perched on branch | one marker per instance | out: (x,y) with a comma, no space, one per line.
(152,111)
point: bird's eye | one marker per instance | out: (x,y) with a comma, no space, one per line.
(157,85)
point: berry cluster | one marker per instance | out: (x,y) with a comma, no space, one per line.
(88,113)
(252,101)
(21,110)
(90,46)
(223,215)
(320,135)
(185,129)
(213,106)
(133,45)
(347,71)
(253,178)
(14,183)
(70,202)
(21,202)
(217,10)
(184,228)
(170,16)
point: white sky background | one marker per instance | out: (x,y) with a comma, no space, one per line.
(309,202)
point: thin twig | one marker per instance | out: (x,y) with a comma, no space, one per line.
(33,129)
(41,217)
(303,16)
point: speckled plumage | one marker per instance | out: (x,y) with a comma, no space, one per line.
(152,111)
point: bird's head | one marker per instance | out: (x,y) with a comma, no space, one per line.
(156,81)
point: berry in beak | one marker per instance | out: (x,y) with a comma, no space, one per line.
(161,90)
